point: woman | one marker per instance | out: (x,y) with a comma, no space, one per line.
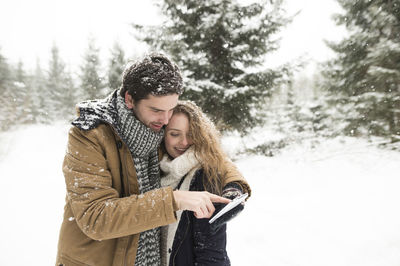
(194,161)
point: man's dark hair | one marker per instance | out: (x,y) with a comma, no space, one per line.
(155,74)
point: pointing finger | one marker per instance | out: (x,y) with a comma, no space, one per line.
(215,198)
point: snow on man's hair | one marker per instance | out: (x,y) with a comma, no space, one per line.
(155,74)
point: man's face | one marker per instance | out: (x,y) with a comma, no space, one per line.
(155,111)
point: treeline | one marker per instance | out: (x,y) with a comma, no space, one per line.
(222,55)
(357,93)
(364,78)
(221,48)
(48,94)
(222,63)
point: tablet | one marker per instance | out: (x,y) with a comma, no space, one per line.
(235,202)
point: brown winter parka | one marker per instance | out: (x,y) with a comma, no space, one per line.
(104,212)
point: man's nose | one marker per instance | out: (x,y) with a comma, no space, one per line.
(164,118)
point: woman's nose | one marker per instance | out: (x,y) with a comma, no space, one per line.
(184,141)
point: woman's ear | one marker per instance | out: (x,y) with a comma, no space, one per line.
(128,100)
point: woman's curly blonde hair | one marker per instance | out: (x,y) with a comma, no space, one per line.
(206,143)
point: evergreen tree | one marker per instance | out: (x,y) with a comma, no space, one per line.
(221,45)
(20,75)
(366,71)
(14,100)
(70,97)
(38,87)
(91,79)
(6,94)
(116,67)
(55,86)
(292,108)
(22,95)
(5,75)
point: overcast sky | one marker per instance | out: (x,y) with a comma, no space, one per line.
(29,28)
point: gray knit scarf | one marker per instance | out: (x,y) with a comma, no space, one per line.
(143,143)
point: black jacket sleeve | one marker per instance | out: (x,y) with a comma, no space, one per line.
(209,245)
(230,191)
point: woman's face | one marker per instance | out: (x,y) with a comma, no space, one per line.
(177,138)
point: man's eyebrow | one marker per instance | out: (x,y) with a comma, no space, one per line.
(156,109)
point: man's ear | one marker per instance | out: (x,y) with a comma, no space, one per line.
(128,100)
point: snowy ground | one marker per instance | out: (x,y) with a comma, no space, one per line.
(336,204)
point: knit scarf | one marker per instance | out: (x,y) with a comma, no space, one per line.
(143,144)
(183,166)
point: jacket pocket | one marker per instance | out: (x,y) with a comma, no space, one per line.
(67,261)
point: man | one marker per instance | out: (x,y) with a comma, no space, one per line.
(114,203)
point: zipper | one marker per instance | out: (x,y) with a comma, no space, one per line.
(118,139)
(126,251)
(126,255)
(126,171)
(184,236)
(125,178)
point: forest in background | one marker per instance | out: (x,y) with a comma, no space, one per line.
(221,47)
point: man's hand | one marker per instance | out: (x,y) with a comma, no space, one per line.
(200,202)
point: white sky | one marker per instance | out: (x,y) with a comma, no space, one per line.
(29,28)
